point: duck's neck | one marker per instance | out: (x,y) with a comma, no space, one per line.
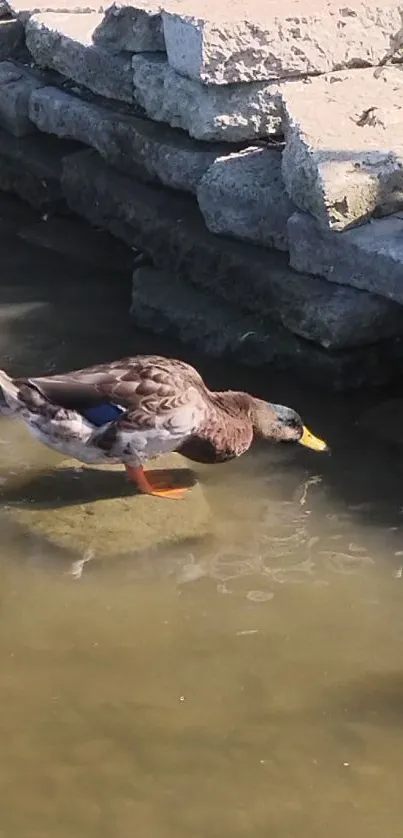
(232,403)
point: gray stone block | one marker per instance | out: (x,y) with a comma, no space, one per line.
(234,114)
(134,145)
(348,164)
(16,86)
(166,304)
(11,38)
(168,226)
(4,9)
(368,257)
(63,42)
(131,28)
(238,42)
(243,195)
(31,167)
(163,302)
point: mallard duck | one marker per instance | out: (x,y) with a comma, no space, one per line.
(134,409)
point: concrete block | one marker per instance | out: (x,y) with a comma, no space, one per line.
(11,37)
(137,146)
(368,257)
(31,167)
(133,28)
(260,42)
(23,9)
(4,9)
(169,227)
(16,86)
(347,164)
(234,114)
(63,42)
(243,195)
(165,304)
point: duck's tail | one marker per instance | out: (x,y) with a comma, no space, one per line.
(10,401)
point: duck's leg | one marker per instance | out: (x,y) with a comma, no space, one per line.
(153,483)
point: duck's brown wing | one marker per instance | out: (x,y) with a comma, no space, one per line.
(148,388)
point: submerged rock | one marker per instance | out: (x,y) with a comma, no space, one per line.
(385,421)
(94,510)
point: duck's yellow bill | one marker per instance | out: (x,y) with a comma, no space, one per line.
(311,441)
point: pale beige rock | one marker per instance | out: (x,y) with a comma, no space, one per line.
(94,510)
(233,41)
(134,25)
(234,113)
(23,9)
(137,146)
(343,159)
(63,42)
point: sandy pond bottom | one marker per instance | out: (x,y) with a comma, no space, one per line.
(244,678)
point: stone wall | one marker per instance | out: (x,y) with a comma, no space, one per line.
(257,165)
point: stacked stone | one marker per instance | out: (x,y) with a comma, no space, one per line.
(11,32)
(272,144)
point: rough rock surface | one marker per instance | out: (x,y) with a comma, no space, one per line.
(234,114)
(63,42)
(11,37)
(31,167)
(132,28)
(170,228)
(23,9)
(70,237)
(4,9)
(235,43)
(368,257)
(166,304)
(16,86)
(137,146)
(94,512)
(348,164)
(385,421)
(243,195)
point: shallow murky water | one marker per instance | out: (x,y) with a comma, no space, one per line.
(248,683)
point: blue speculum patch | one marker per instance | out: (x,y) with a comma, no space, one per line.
(102,413)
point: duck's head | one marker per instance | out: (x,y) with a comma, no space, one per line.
(281,424)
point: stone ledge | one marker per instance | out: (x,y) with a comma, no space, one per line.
(236,113)
(16,86)
(348,164)
(23,9)
(165,304)
(11,38)
(243,195)
(236,43)
(63,42)
(131,27)
(369,257)
(137,146)
(168,227)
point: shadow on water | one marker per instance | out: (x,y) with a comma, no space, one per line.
(75,486)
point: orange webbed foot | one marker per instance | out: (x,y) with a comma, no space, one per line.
(157,482)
